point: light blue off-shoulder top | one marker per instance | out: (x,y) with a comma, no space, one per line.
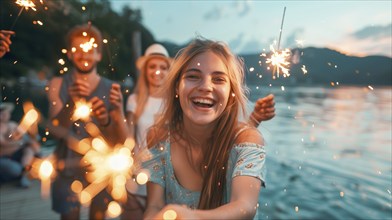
(246,159)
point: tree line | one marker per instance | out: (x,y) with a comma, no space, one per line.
(40,36)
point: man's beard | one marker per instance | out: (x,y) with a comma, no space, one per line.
(85,71)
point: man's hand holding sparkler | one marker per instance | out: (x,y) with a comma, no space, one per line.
(5,41)
(100,112)
(79,89)
(111,120)
(116,101)
(117,113)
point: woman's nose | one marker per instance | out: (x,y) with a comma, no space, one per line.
(206,84)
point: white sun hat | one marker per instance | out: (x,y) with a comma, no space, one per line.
(153,51)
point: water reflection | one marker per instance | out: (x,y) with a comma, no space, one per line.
(329,153)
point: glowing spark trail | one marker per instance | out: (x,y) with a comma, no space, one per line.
(25,4)
(279,60)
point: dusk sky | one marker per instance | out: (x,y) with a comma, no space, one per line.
(356,28)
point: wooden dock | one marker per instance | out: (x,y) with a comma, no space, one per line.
(18,203)
(24,203)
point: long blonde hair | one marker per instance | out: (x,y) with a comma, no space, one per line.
(142,93)
(213,170)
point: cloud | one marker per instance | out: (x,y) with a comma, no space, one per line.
(238,8)
(243,7)
(252,46)
(292,39)
(373,32)
(215,13)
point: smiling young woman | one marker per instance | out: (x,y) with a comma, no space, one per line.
(203,157)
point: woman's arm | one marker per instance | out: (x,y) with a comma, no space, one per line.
(242,205)
(155,200)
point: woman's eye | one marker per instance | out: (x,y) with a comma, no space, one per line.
(191,76)
(219,79)
(151,66)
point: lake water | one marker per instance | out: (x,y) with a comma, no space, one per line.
(328,153)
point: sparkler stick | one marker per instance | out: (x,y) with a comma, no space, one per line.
(13,24)
(105,41)
(279,58)
(280,36)
(281,27)
(26,4)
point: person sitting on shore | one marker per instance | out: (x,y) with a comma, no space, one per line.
(17,149)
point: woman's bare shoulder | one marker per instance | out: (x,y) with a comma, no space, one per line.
(250,134)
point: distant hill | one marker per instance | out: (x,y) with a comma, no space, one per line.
(323,67)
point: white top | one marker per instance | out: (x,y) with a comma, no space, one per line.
(151,112)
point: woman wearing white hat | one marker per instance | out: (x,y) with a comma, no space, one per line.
(143,107)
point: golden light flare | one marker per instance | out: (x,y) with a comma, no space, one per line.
(170,215)
(109,168)
(27,122)
(82,111)
(77,186)
(119,162)
(87,46)
(43,170)
(279,61)
(114,209)
(27,4)
(38,22)
(142,178)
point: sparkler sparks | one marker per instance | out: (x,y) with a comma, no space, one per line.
(82,110)
(110,169)
(279,59)
(25,4)
(86,47)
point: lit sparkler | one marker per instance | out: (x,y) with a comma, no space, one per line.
(25,4)
(279,59)
(27,121)
(110,169)
(82,110)
(45,172)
